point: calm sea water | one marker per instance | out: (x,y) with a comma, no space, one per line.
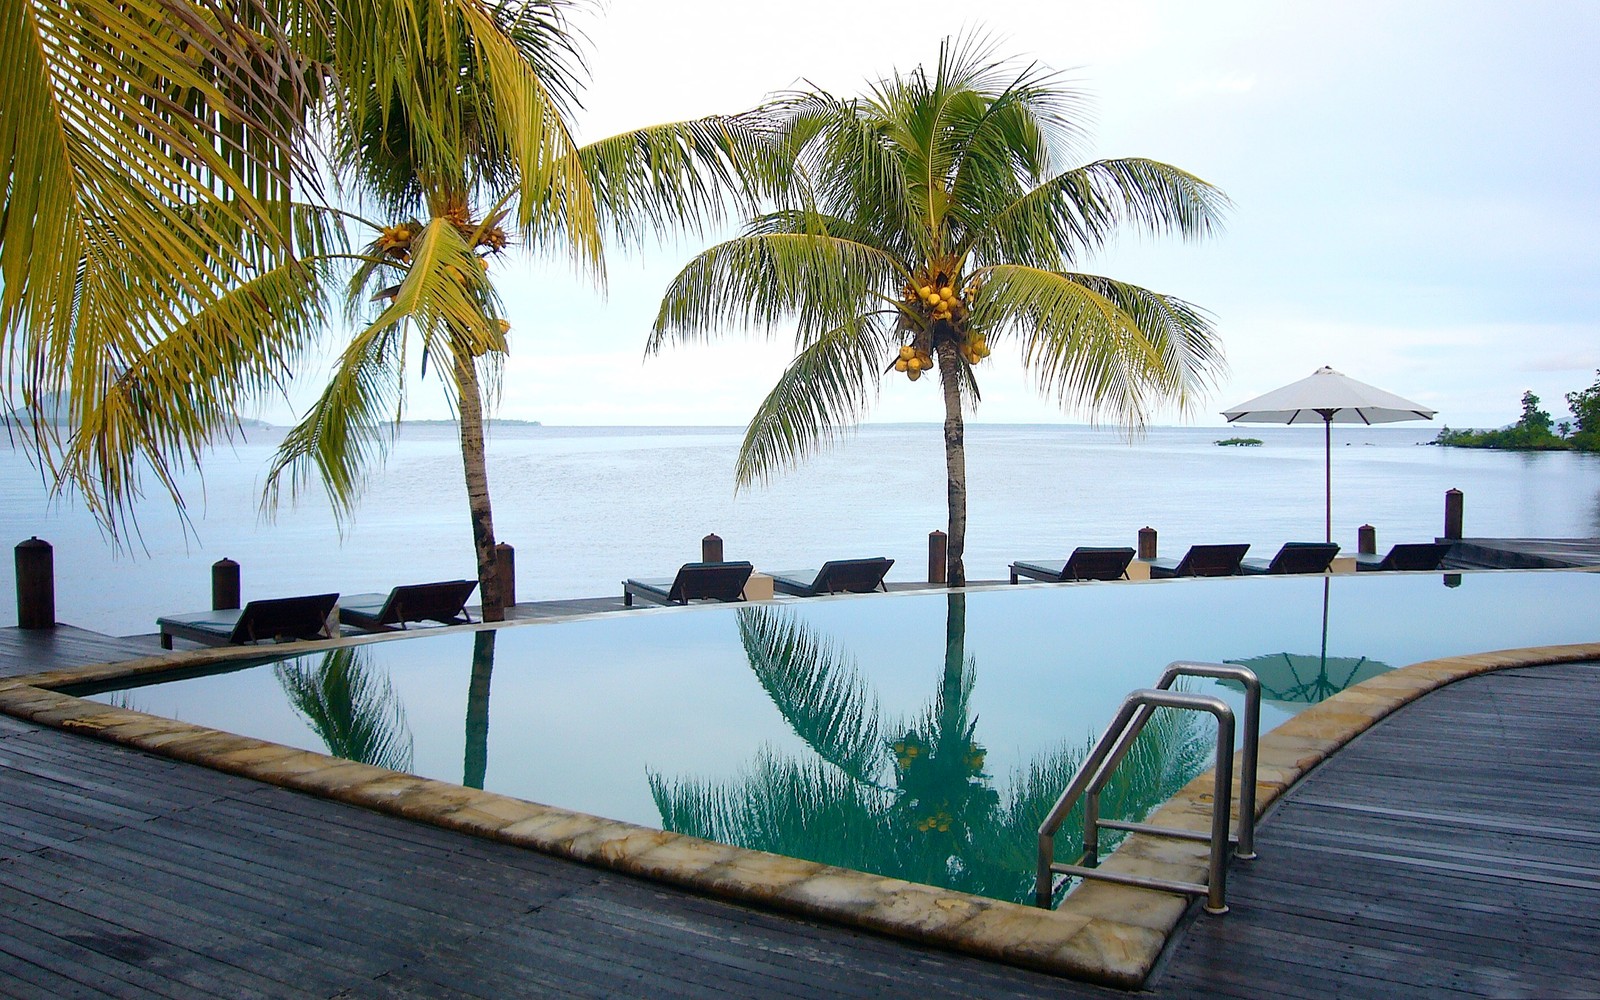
(587,507)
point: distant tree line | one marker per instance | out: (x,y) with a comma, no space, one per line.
(1536,431)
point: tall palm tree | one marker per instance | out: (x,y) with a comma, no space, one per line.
(926,220)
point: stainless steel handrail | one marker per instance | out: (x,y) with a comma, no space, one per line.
(1098,767)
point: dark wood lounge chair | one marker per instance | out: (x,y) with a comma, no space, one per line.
(1087,562)
(1294,557)
(444,602)
(723,581)
(838,576)
(1406,556)
(279,619)
(1202,560)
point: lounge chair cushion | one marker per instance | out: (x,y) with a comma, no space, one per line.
(1087,562)
(278,619)
(1202,560)
(443,602)
(1295,557)
(722,581)
(1414,556)
(837,576)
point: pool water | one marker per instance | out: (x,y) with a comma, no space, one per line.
(916,735)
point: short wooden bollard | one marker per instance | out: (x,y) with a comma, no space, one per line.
(1147,543)
(1452,513)
(36,584)
(711,548)
(224,585)
(505,573)
(1367,540)
(938,556)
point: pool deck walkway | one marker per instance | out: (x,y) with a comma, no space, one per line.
(1449,851)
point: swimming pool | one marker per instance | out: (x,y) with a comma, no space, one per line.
(912,735)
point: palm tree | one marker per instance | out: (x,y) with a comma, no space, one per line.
(905,798)
(926,220)
(448,118)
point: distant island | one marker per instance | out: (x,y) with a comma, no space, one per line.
(1535,430)
(1240,442)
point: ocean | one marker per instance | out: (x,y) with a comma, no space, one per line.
(587,507)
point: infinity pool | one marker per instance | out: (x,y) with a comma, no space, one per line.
(916,735)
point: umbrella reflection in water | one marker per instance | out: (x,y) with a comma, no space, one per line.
(1297,680)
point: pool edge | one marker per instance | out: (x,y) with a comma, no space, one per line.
(1102,933)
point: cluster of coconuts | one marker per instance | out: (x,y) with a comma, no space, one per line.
(939,301)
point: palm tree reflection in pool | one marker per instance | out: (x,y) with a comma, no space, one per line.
(476,762)
(355,711)
(905,799)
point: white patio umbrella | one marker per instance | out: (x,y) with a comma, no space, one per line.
(1331,398)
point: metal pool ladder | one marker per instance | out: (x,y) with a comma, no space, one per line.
(1108,752)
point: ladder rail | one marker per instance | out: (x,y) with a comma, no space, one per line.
(1113,745)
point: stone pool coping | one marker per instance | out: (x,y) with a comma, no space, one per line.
(1102,933)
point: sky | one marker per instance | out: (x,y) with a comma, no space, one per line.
(1413,184)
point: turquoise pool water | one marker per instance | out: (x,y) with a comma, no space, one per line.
(916,735)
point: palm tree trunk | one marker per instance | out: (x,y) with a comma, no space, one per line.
(469,402)
(955,464)
(476,762)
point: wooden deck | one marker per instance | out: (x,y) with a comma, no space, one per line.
(124,874)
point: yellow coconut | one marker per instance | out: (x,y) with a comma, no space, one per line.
(901,365)
(913,374)
(907,352)
(915,364)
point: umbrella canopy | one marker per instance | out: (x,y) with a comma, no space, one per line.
(1327,397)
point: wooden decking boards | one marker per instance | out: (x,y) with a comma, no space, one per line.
(1449,851)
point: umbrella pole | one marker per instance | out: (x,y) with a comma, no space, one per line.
(1327,473)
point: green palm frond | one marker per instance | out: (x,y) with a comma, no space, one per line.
(682,174)
(796,809)
(139,142)
(823,282)
(353,709)
(159,407)
(819,692)
(1191,352)
(1081,346)
(826,388)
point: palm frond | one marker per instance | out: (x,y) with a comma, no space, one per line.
(818,691)
(1083,348)
(352,709)
(825,389)
(823,282)
(683,174)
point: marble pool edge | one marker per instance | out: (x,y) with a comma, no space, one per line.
(1103,933)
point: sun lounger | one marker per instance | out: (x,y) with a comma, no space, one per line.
(279,619)
(1087,562)
(1294,557)
(444,602)
(1202,560)
(1407,555)
(839,576)
(722,581)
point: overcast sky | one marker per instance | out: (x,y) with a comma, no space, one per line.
(1415,192)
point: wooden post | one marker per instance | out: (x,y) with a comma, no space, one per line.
(36,584)
(1452,513)
(1367,540)
(711,548)
(938,556)
(224,584)
(1147,543)
(505,569)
